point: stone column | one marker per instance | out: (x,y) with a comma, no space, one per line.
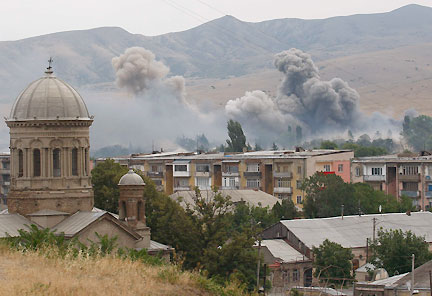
(49,162)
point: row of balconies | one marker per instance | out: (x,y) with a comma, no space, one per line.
(382,178)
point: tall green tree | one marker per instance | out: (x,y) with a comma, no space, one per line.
(285,210)
(393,248)
(332,262)
(325,195)
(328,145)
(237,140)
(417,132)
(105,177)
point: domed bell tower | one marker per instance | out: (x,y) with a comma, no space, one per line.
(49,144)
(132,205)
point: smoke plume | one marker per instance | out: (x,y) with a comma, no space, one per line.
(303,99)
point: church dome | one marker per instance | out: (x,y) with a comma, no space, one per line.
(49,98)
(131,178)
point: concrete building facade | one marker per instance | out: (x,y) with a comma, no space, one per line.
(279,173)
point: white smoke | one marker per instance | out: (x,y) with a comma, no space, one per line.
(304,99)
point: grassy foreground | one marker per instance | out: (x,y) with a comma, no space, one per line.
(46,273)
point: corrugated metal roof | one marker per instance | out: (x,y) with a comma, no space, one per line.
(389,281)
(11,223)
(352,231)
(77,222)
(154,246)
(280,249)
(252,197)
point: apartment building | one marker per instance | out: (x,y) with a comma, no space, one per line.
(279,173)
(4,177)
(397,175)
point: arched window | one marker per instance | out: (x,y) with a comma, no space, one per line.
(74,162)
(56,163)
(20,163)
(36,163)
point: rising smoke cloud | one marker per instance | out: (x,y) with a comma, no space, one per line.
(304,99)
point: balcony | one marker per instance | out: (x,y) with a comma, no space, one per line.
(409,193)
(6,183)
(181,174)
(182,188)
(155,174)
(282,190)
(282,174)
(4,171)
(230,187)
(409,178)
(374,178)
(252,174)
(202,174)
(230,174)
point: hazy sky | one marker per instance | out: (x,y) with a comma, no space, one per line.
(25,18)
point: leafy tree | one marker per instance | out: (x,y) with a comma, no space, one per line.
(257,147)
(393,248)
(285,211)
(105,177)
(237,138)
(332,262)
(417,132)
(274,147)
(325,196)
(328,145)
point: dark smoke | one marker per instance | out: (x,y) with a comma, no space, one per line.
(305,100)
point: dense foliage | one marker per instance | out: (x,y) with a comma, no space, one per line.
(237,138)
(332,262)
(105,177)
(417,132)
(327,194)
(393,248)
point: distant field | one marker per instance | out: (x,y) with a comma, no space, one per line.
(389,81)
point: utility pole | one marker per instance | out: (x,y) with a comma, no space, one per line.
(258,265)
(342,211)
(374,226)
(412,275)
(430,281)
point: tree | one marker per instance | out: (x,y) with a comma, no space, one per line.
(328,145)
(417,132)
(332,262)
(105,177)
(325,195)
(393,248)
(257,147)
(237,138)
(274,147)
(285,211)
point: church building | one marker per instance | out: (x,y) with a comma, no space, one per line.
(50,179)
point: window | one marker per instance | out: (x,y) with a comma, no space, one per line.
(155,168)
(376,171)
(36,163)
(285,276)
(357,172)
(296,275)
(56,162)
(203,182)
(253,167)
(231,169)
(20,163)
(299,170)
(180,168)
(74,162)
(340,167)
(410,186)
(327,168)
(282,168)
(182,183)
(158,182)
(299,199)
(409,170)
(253,183)
(283,183)
(298,184)
(230,182)
(202,168)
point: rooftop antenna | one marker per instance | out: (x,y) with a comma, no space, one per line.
(49,69)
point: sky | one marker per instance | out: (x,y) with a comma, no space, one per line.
(26,18)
